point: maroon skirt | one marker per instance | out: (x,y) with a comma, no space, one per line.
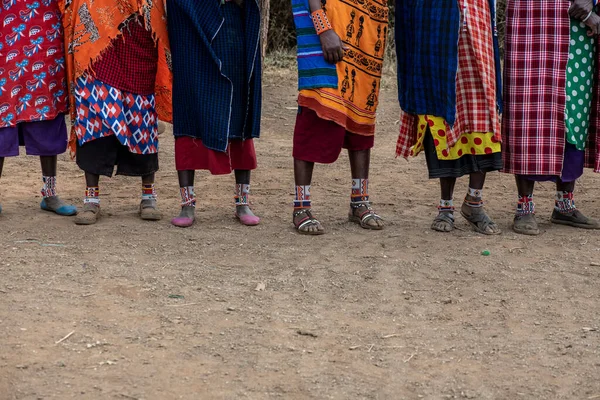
(321,141)
(192,155)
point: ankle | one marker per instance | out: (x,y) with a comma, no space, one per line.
(188,197)
(525,205)
(564,202)
(92,196)
(49,186)
(148,192)
(446,206)
(360,190)
(302,199)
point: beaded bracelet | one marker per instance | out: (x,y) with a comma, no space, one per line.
(320,21)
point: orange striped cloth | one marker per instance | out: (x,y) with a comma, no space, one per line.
(362,26)
(90,26)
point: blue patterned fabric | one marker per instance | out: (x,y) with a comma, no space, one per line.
(427,56)
(313,71)
(103,110)
(216,59)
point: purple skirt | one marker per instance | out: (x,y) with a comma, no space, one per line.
(40,138)
(573,164)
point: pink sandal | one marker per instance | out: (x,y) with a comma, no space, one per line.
(248,220)
(183,222)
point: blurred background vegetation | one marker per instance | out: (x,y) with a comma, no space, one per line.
(282,38)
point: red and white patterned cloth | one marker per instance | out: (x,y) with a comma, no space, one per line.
(32,62)
(536,54)
(476,109)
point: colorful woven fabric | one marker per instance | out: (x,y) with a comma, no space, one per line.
(91,26)
(131,62)
(32,71)
(352,105)
(474,143)
(476,128)
(427,37)
(103,110)
(580,75)
(217,70)
(535,71)
(313,71)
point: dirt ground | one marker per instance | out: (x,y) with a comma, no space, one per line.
(221,311)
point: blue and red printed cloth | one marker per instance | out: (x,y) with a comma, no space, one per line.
(103,110)
(32,62)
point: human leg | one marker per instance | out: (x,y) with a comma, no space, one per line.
(242,205)
(361,211)
(187,216)
(472,209)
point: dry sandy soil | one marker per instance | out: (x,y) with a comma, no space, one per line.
(221,311)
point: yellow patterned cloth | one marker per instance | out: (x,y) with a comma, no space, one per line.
(362,25)
(476,143)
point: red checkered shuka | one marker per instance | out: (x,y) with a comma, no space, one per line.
(131,62)
(536,55)
(476,108)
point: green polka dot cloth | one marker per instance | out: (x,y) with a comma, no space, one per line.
(580,83)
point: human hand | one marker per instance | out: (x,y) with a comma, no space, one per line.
(580,9)
(333,47)
(593,24)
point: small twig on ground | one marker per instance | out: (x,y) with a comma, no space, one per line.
(409,358)
(371,348)
(88,295)
(65,338)
(597,396)
(515,249)
(306,333)
(355,347)
(304,289)
(594,264)
(128,396)
(390,336)
(181,305)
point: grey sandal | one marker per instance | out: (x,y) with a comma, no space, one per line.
(575,219)
(446,218)
(480,221)
(526,225)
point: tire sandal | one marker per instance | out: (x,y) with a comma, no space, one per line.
(445,217)
(307,221)
(364,217)
(481,221)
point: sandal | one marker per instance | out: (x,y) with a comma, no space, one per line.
(56,205)
(526,224)
(480,220)
(575,219)
(444,222)
(364,217)
(308,221)
(149,211)
(88,215)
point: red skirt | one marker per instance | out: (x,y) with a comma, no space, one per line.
(191,155)
(321,141)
